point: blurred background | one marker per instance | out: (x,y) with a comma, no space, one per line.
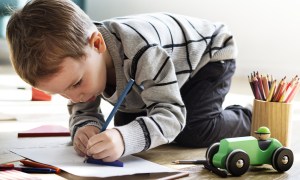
(267,32)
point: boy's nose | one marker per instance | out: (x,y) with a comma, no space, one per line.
(74,98)
(77,99)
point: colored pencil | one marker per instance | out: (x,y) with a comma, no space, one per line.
(265,88)
(38,165)
(273,87)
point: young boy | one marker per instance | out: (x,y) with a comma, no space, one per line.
(182,68)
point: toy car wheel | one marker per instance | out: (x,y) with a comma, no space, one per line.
(211,151)
(282,159)
(237,162)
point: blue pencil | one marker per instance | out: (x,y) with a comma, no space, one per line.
(109,118)
(35,170)
(117,105)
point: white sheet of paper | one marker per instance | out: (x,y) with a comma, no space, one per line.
(66,159)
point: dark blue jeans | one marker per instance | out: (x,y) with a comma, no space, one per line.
(206,120)
(203,95)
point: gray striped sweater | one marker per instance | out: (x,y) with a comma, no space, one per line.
(160,52)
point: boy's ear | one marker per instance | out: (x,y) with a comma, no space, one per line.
(96,41)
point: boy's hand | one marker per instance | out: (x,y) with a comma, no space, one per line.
(108,145)
(81,138)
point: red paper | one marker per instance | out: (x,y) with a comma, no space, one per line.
(45,131)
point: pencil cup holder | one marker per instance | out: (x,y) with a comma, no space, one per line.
(274,115)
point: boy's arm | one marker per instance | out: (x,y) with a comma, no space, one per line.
(165,119)
(84,114)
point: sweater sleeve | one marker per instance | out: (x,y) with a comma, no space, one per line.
(84,114)
(155,72)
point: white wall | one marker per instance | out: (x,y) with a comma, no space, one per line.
(267,31)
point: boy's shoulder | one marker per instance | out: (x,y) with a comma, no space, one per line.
(156,15)
(153,19)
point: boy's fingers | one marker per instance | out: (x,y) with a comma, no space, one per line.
(84,140)
(110,159)
(102,155)
(96,148)
(95,139)
(81,139)
(91,131)
(80,142)
(80,147)
(90,134)
(78,151)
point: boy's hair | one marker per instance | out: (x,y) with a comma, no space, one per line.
(44,32)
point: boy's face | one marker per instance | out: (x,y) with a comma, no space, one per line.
(79,80)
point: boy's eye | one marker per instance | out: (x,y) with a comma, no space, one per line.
(77,84)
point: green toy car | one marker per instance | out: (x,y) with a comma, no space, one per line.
(237,154)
